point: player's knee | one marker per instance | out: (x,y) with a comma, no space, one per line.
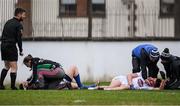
(74,67)
(13,66)
(14,69)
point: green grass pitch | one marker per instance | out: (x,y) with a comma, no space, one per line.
(89,97)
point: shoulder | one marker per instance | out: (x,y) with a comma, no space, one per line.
(35,60)
(15,21)
(176,58)
(44,61)
(10,21)
(144,52)
(19,25)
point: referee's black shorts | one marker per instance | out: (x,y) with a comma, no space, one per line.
(9,52)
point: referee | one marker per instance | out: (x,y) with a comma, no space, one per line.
(11,36)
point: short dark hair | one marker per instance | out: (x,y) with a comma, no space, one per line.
(158,82)
(21,86)
(18,11)
(27,59)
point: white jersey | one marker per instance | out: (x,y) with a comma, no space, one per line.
(138,82)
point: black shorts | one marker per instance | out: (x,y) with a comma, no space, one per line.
(9,52)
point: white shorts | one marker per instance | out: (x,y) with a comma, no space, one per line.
(122,79)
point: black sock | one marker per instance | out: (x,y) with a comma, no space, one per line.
(13,79)
(3,75)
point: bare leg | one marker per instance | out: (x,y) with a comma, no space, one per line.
(72,72)
(74,85)
(113,84)
(13,66)
(122,87)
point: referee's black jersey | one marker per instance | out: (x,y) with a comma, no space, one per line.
(12,33)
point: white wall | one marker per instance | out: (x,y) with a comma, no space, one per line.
(95,60)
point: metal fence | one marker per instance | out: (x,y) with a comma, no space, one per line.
(6,11)
(121,20)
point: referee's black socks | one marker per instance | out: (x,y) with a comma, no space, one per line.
(3,75)
(13,80)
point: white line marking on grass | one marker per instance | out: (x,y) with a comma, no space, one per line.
(79,101)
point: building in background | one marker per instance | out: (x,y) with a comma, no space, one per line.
(110,18)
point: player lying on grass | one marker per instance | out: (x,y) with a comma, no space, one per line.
(47,74)
(132,81)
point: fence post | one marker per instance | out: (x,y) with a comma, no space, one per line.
(132,18)
(89,7)
(177,18)
(27,23)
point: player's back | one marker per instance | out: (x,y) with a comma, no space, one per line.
(10,31)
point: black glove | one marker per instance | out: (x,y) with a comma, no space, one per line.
(163,75)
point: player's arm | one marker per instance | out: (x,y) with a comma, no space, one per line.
(157,88)
(130,77)
(168,71)
(148,88)
(29,79)
(154,65)
(162,85)
(51,64)
(124,87)
(143,64)
(19,38)
(34,75)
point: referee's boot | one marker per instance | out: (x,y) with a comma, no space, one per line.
(2,87)
(14,88)
(13,81)
(2,77)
